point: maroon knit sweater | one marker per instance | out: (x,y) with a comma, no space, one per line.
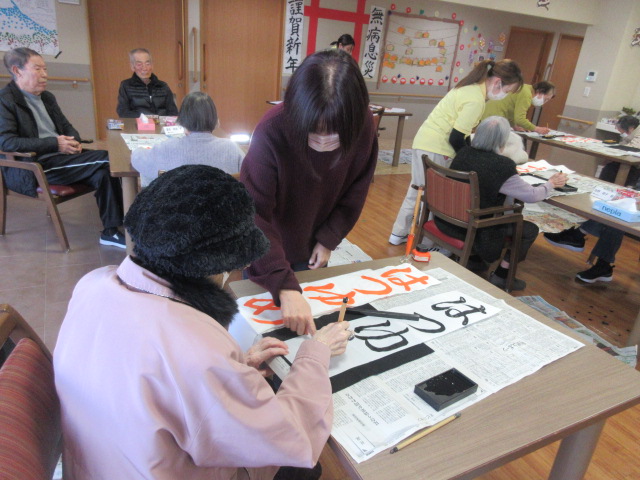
(298,206)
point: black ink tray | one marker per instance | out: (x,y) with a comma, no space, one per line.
(445,389)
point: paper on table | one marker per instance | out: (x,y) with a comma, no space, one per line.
(326,295)
(377,337)
(376,413)
(537,166)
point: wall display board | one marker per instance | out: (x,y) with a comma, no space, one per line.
(29,23)
(420,50)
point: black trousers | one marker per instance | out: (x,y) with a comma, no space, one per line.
(490,241)
(294,473)
(610,170)
(90,167)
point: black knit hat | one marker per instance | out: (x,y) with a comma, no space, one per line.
(195,221)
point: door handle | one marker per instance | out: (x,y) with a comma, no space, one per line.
(194,32)
(181,60)
(204,62)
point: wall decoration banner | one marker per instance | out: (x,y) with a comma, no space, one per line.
(293,36)
(372,44)
(29,23)
(419,50)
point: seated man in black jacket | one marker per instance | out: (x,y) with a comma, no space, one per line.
(31,121)
(143,92)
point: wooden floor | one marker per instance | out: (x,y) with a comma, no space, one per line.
(609,309)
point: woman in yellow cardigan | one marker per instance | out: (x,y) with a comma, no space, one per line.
(444,131)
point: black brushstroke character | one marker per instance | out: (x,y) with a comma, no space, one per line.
(457,312)
(440,327)
(386,334)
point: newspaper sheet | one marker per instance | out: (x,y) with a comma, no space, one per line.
(496,349)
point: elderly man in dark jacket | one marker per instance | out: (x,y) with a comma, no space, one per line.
(31,121)
(143,92)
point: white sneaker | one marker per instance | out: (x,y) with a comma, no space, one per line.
(397,239)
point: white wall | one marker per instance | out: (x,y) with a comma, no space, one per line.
(578,11)
(606,49)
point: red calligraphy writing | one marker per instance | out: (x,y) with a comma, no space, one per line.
(260,305)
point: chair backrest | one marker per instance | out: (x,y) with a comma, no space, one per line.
(450,194)
(30,430)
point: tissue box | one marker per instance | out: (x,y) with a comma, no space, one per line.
(614,211)
(151,126)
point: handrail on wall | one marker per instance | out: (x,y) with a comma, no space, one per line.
(74,80)
(400,95)
(577,120)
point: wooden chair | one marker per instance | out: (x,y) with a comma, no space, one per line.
(51,195)
(30,429)
(454,197)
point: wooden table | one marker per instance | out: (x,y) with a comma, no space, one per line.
(397,147)
(625,161)
(120,164)
(581,204)
(567,400)
(120,160)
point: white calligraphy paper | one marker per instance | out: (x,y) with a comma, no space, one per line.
(326,295)
(371,55)
(293,36)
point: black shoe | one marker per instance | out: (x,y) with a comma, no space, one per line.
(571,239)
(601,272)
(116,240)
(502,282)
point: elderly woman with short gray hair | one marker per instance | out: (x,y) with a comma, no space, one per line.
(199,117)
(497,178)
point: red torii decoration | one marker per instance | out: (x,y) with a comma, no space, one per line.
(314,12)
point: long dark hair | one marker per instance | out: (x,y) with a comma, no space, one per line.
(506,70)
(326,94)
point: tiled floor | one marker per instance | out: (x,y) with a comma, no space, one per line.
(37,276)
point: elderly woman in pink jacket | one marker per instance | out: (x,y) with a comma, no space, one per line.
(150,382)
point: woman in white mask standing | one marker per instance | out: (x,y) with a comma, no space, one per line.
(515,107)
(308,170)
(444,131)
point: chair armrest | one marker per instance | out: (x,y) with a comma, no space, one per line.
(499,220)
(31,166)
(19,154)
(516,207)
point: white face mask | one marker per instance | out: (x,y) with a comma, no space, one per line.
(497,96)
(537,101)
(324,143)
(624,135)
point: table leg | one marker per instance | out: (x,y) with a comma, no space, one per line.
(398,146)
(129,192)
(574,455)
(534,150)
(623,173)
(634,336)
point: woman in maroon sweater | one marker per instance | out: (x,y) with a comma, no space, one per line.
(308,170)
